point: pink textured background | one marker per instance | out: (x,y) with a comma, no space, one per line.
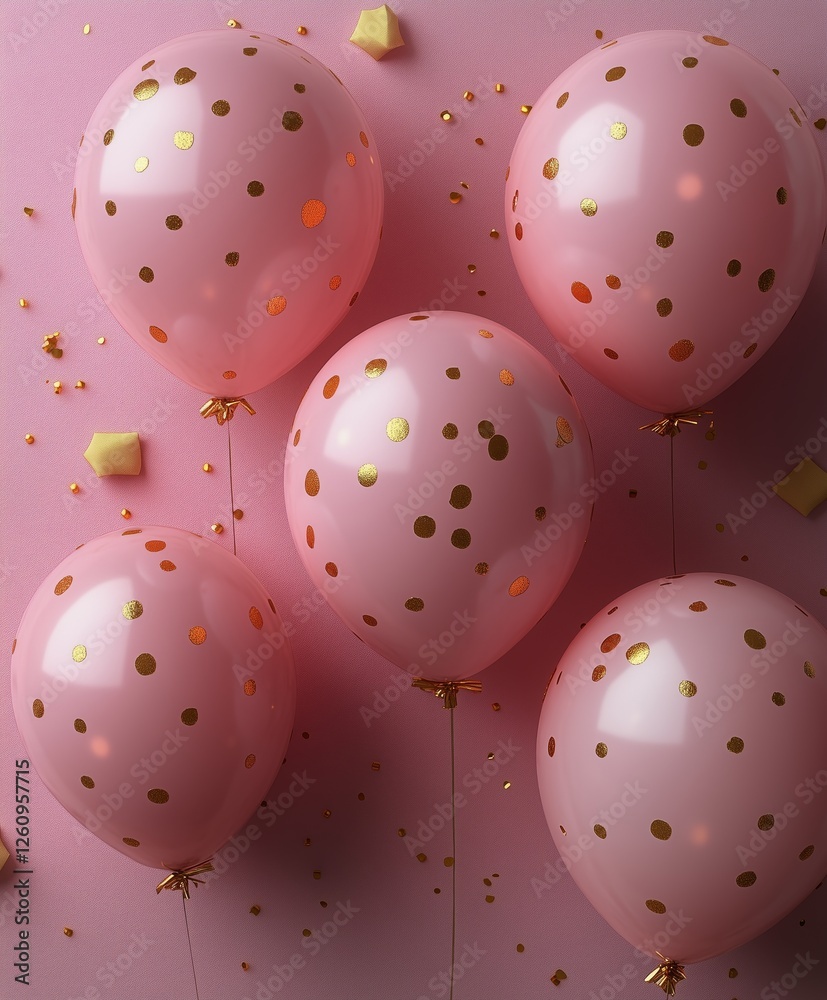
(399,938)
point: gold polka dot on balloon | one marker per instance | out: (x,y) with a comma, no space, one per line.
(781,196)
(313,213)
(414,604)
(518,230)
(450,432)
(637,653)
(452,373)
(714,40)
(618,130)
(746,879)
(738,108)
(255,189)
(255,617)
(552,746)
(63,585)
(561,100)
(311,483)
(276,305)
(807,852)
(581,292)
(610,353)
(660,829)
(351,159)
(231,259)
(690,62)
(766,822)
(159,796)
(184,75)
(724,583)
(498,448)
(330,387)
(754,639)
(249,687)
(693,135)
(131,842)
(197,635)
(600,831)
(141,164)
(249,760)
(331,569)
(229,374)
(370,620)
(681,350)
(564,430)
(485,429)
(460,497)
(86,781)
(506,377)
(750,350)
(158,334)
(397,429)
(145,664)
(809,669)
(733,268)
(132,610)
(367,474)
(601,750)
(735,745)
(221,108)
(613,281)
(250,50)
(460,538)
(291,121)
(155,545)
(655,906)
(550,168)
(615,73)
(610,642)
(598,673)
(540,513)
(778,699)
(766,279)
(588,206)
(183,140)
(664,307)
(146,274)
(375,368)
(146,89)
(334,282)
(481,568)
(665,239)
(173,222)
(519,586)
(189,716)
(698,606)
(111,208)
(424,526)
(37,708)
(485,334)
(688,689)
(310,536)
(363,139)
(108,136)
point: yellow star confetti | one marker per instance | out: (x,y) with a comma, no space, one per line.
(114,454)
(804,488)
(377,32)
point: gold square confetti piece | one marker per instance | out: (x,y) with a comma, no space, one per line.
(804,488)
(114,454)
(377,32)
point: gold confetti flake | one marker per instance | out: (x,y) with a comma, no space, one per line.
(480,142)
(232,23)
(601,750)
(467,95)
(80,384)
(68,930)
(28,211)
(499,88)
(74,488)
(29,439)
(656,906)
(735,744)
(207,467)
(688,689)
(455,197)
(494,234)
(301,30)
(525,108)
(221,108)
(660,829)
(446,116)
(101,340)
(746,879)
(615,73)
(496,706)
(23,303)
(217,528)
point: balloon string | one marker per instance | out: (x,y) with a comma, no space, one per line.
(672,502)
(189,942)
(454,857)
(232,500)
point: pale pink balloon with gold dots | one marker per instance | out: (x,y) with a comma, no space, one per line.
(229,204)
(438,489)
(682,762)
(666,204)
(154,688)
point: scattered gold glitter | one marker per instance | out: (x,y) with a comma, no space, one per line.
(665,238)
(494,234)
(746,879)
(276,305)
(809,669)
(499,88)
(255,189)
(132,610)
(637,653)
(29,211)
(766,822)
(145,664)
(690,62)
(540,513)
(63,585)
(231,259)
(600,831)
(460,538)
(397,429)
(588,206)
(601,750)
(479,141)
(310,536)
(197,635)
(414,604)
(735,745)
(291,121)
(131,842)
(455,197)
(750,350)
(373,369)
(206,467)
(581,292)
(688,689)
(766,279)
(86,781)
(781,196)
(189,716)
(37,708)
(450,432)
(754,639)
(24,303)
(101,340)
(146,89)
(217,528)
(367,474)
(255,617)
(249,50)
(311,483)
(693,135)
(598,673)
(714,40)
(146,274)
(498,448)
(364,139)
(506,377)
(613,281)
(525,108)
(655,906)
(331,569)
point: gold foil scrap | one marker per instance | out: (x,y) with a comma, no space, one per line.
(804,488)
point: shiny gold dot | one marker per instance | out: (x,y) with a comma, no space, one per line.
(397,429)
(561,100)
(370,620)
(481,568)
(693,135)
(518,230)
(809,669)
(778,699)
(155,545)
(159,796)
(145,664)
(37,708)
(255,189)
(146,89)
(310,535)
(167,565)
(733,268)
(424,527)
(600,831)
(746,879)
(183,140)
(249,687)
(807,852)
(276,305)
(550,168)
(610,643)
(754,639)
(460,538)
(781,196)
(588,206)
(738,108)
(132,610)
(615,73)
(485,429)
(146,274)
(766,279)
(498,448)
(221,108)
(618,130)
(665,238)
(660,829)
(111,208)
(598,673)
(766,822)
(681,350)
(735,745)
(249,760)
(184,75)
(610,353)
(519,586)
(330,386)
(664,307)
(367,474)
(698,606)
(63,585)
(141,164)
(249,51)
(158,334)
(565,433)
(452,373)
(256,619)
(363,139)
(414,604)
(688,689)
(655,906)
(750,350)
(540,513)
(375,368)
(229,374)
(601,750)
(331,569)
(552,746)
(638,653)
(613,281)
(313,213)
(311,483)
(86,781)
(690,62)
(197,635)
(131,842)
(189,716)
(292,121)
(581,292)
(231,259)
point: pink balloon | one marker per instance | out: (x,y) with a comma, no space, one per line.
(681,758)
(228,204)
(437,489)
(133,690)
(667,205)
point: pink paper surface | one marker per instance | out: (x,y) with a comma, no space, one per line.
(393,931)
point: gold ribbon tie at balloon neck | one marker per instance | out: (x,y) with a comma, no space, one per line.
(447,690)
(670,423)
(180,878)
(223,409)
(667,975)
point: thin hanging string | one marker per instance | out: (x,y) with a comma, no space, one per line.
(232,501)
(454,865)
(189,942)
(672,502)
